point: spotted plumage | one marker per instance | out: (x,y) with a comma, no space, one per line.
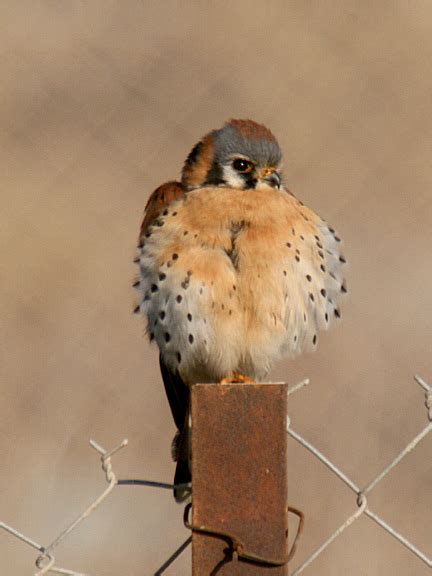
(235,272)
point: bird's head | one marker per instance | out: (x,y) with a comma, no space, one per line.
(242,154)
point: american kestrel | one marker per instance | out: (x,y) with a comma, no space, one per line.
(235,272)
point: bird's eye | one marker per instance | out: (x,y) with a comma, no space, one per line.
(242,165)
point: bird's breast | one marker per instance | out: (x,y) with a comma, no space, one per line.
(225,280)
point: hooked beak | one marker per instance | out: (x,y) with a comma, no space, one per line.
(273,180)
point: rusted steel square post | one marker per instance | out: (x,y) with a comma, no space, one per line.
(239,471)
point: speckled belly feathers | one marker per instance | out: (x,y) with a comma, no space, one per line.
(232,280)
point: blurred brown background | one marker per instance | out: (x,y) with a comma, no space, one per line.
(101,101)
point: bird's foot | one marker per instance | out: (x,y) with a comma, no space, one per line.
(237,378)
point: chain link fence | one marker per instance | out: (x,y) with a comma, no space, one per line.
(46,561)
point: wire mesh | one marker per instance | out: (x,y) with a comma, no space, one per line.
(361,493)
(46,561)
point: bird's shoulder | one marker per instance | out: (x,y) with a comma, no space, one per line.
(161,198)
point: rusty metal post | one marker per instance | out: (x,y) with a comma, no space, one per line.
(239,471)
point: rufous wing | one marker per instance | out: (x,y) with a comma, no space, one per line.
(161,198)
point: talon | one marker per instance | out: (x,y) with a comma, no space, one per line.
(237,378)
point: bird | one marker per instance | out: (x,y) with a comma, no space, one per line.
(235,272)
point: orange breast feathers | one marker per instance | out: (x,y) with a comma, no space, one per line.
(259,270)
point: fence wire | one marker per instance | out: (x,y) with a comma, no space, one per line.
(361,493)
(46,562)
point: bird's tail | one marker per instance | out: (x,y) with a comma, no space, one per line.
(179,397)
(182,455)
